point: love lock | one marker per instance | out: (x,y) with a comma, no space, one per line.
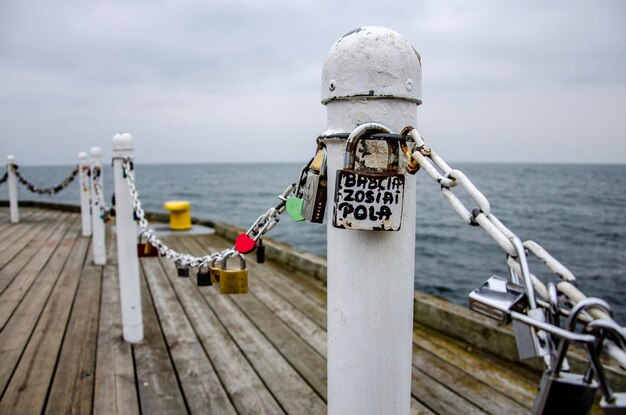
(611,403)
(369,200)
(314,189)
(496,298)
(233,281)
(568,393)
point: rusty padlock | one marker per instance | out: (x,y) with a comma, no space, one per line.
(368,199)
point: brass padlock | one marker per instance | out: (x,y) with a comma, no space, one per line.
(314,190)
(145,248)
(214,270)
(364,199)
(233,281)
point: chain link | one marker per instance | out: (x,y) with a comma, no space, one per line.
(96,177)
(448,178)
(259,228)
(44,190)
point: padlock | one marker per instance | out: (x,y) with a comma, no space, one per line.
(294,203)
(182,271)
(611,403)
(314,190)
(568,393)
(531,343)
(145,248)
(203,277)
(369,200)
(233,281)
(260,252)
(214,270)
(496,298)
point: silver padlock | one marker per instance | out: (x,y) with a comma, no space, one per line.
(568,393)
(314,191)
(369,199)
(611,403)
(496,298)
(530,342)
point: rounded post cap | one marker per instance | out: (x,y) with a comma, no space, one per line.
(82,156)
(95,152)
(10,158)
(123,141)
(372,62)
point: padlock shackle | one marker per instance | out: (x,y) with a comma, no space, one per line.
(583,304)
(608,326)
(523,261)
(365,131)
(242,260)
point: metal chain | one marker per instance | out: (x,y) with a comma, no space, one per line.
(4,177)
(259,228)
(448,178)
(96,176)
(44,190)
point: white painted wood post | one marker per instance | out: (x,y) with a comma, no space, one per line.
(84,191)
(12,185)
(370,75)
(126,228)
(97,223)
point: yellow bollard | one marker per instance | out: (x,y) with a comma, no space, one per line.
(180,214)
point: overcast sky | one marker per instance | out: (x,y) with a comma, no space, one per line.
(207,81)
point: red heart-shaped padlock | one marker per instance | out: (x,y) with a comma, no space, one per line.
(244,244)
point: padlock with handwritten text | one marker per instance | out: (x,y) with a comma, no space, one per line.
(369,199)
(314,189)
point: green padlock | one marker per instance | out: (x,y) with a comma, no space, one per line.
(294,203)
(294,208)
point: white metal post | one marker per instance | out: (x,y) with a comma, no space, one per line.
(130,289)
(370,75)
(83,189)
(12,185)
(97,223)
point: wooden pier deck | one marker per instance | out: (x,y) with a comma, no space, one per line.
(61,349)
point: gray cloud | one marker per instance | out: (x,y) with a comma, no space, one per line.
(239,80)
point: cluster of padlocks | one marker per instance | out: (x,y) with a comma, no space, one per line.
(538,333)
(365,198)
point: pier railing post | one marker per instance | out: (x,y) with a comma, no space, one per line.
(84,191)
(97,223)
(12,185)
(126,227)
(370,75)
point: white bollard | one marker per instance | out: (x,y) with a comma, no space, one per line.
(12,185)
(370,75)
(130,289)
(83,189)
(97,223)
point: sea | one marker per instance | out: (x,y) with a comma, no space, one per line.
(576,212)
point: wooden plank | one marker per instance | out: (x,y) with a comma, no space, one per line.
(303,357)
(418,409)
(15,241)
(156,379)
(291,391)
(438,398)
(17,331)
(26,394)
(33,259)
(7,227)
(201,385)
(472,389)
(115,391)
(30,251)
(477,364)
(242,384)
(72,386)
